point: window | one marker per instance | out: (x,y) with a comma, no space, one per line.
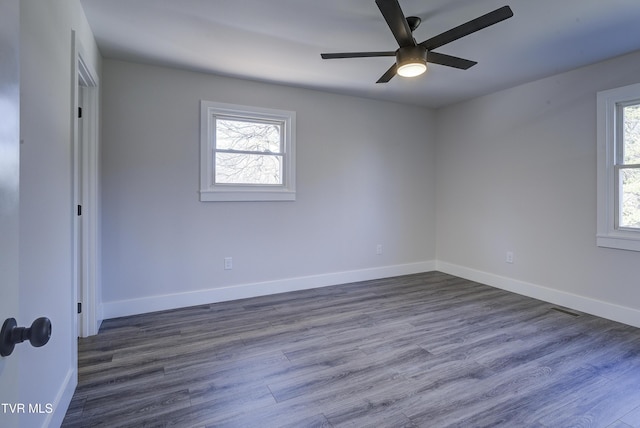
(619,168)
(246,153)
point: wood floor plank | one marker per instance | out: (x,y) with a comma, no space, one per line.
(422,350)
(632,418)
(599,409)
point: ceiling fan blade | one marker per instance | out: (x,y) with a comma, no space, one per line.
(449,61)
(389,74)
(396,21)
(356,54)
(467,28)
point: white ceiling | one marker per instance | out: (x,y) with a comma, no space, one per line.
(280,41)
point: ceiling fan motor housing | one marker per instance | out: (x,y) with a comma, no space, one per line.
(411,60)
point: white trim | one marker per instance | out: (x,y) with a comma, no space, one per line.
(608,235)
(588,305)
(91,210)
(209,191)
(178,300)
(236,194)
(62,400)
(89,159)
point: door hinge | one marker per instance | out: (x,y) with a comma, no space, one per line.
(79,307)
(79,112)
(79,209)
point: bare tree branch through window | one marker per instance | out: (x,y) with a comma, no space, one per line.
(248,152)
(630,168)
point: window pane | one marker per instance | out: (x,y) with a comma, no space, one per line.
(630,197)
(234,168)
(247,136)
(631,133)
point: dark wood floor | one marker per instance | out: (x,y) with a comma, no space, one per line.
(427,350)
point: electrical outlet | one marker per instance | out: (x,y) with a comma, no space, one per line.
(509,257)
(379,249)
(228,263)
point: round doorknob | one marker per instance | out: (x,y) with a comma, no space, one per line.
(38,334)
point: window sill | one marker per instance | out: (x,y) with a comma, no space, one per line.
(619,241)
(246,195)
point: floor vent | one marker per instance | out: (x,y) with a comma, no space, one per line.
(566,311)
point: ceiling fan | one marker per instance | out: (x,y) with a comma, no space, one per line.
(412,57)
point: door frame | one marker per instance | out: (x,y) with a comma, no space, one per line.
(86,156)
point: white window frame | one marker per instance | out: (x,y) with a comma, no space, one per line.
(210,190)
(609,135)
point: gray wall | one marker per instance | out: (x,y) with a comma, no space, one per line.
(365,176)
(511,171)
(517,171)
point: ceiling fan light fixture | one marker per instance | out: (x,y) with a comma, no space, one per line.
(411,61)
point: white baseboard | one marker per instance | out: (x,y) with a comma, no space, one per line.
(62,400)
(588,305)
(193,298)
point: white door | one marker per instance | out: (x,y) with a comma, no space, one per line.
(9,191)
